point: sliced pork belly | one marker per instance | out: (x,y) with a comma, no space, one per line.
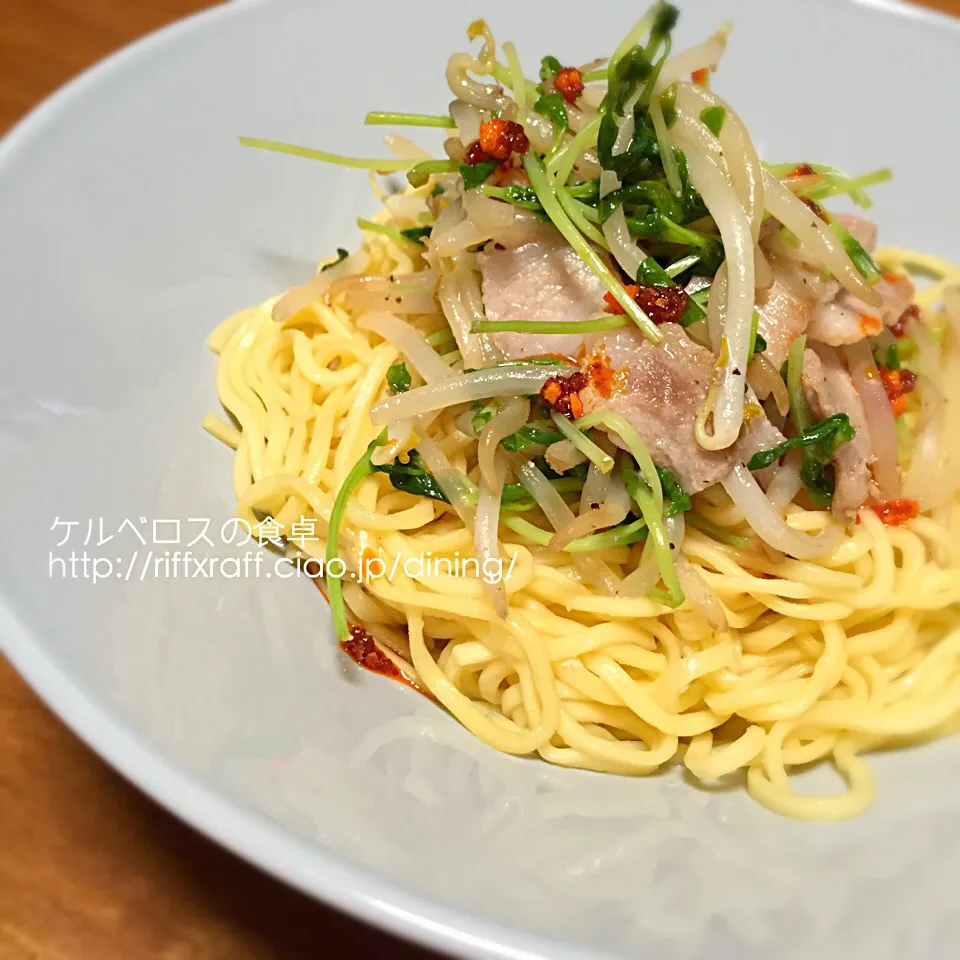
(659,389)
(758,432)
(786,307)
(799,301)
(829,390)
(847,319)
(539,281)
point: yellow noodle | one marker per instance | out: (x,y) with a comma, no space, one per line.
(820,661)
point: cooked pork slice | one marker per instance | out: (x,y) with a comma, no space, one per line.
(800,301)
(847,319)
(539,281)
(659,390)
(787,306)
(863,231)
(785,309)
(758,432)
(828,389)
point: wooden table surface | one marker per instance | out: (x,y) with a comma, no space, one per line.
(89,867)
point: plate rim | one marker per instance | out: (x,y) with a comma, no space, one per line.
(246,833)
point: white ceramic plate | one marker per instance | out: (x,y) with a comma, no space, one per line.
(131,224)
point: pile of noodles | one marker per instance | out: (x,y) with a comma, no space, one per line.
(799,639)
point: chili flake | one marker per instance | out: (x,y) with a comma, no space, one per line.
(802,170)
(898,383)
(899,329)
(499,138)
(613,304)
(561,394)
(600,374)
(896,512)
(663,304)
(362,650)
(700,76)
(660,304)
(475,154)
(569,82)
